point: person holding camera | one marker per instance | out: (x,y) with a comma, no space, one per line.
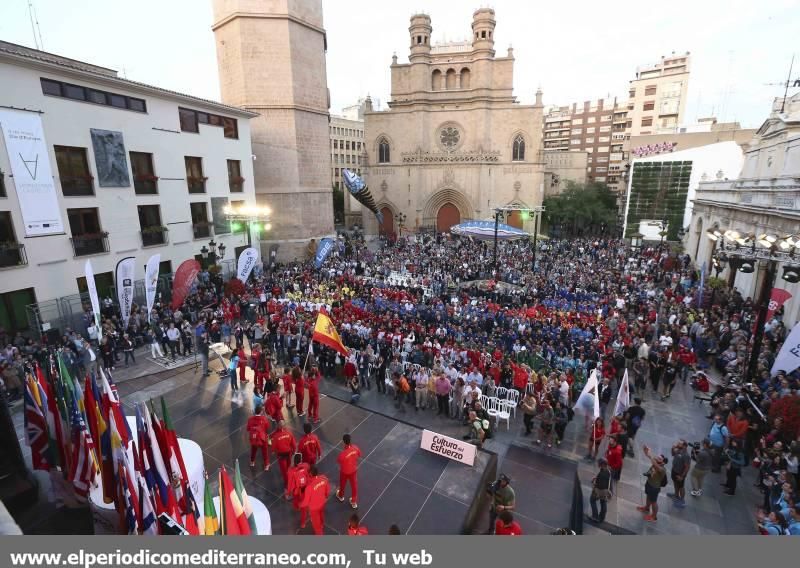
(735,458)
(656,480)
(601,491)
(680,469)
(701,454)
(503,499)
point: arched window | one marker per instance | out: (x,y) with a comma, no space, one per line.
(450,79)
(383,151)
(465,78)
(518,153)
(436,80)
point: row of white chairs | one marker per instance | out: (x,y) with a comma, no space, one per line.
(498,408)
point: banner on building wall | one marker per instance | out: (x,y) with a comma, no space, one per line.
(33,177)
(182,283)
(788,358)
(124,281)
(778,297)
(151,281)
(324,248)
(92,287)
(247,260)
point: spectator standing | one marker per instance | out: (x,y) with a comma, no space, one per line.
(601,491)
(702,458)
(681,462)
(656,479)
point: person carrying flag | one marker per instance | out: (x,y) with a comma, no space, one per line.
(313,380)
(309,446)
(348,470)
(317,492)
(283,444)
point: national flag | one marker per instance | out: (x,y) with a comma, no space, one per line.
(623,397)
(210,521)
(232,518)
(175,460)
(82,470)
(113,409)
(36,435)
(777,298)
(160,475)
(98,425)
(245,500)
(588,400)
(192,520)
(129,506)
(326,334)
(148,514)
(54,426)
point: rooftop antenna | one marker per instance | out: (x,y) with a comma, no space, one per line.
(786,88)
(33,26)
(38,29)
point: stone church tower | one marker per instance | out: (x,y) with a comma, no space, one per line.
(455,144)
(271,58)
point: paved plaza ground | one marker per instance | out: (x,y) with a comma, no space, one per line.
(203,410)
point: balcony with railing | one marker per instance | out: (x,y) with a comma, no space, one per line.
(145,185)
(89,243)
(154,236)
(201,229)
(12,254)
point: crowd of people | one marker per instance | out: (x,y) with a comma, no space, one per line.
(431,323)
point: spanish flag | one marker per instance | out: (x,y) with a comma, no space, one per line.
(326,334)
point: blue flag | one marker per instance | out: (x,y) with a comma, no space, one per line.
(324,248)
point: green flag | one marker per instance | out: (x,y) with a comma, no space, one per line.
(242,494)
(210,522)
(165,414)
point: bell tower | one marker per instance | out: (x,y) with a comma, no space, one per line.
(483,24)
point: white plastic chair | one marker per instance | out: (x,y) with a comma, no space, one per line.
(493,406)
(529,388)
(484,401)
(504,412)
(512,396)
(501,392)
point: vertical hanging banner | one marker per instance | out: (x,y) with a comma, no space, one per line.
(247,260)
(778,297)
(90,284)
(151,281)
(182,283)
(788,358)
(324,248)
(124,281)
(33,178)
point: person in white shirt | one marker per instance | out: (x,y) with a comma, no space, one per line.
(475,377)
(421,379)
(173,334)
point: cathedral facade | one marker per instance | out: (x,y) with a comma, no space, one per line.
(454,144)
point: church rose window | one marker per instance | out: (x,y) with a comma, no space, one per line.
(449,137)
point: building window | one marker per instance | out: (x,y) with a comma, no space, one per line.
(590,130)
(194,174)
(190,119)
(87,236)
(649,90)
(73,171)
(78,93)
(235,179)
(649,105)
(602,139)
(3,184)
(590,119)
(200,225)
(605,129)
(153,232)
(632,93)
(335,144)
(518,151)
(575,141)
(11,252)
(647,121)
(577,130)
(145,181)
(590,140)
(384,154)
(576,121)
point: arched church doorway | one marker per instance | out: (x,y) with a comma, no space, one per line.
(387,227)
(447,216)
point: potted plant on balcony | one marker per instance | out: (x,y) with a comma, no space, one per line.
(91,236)
(196,179)
(153,229)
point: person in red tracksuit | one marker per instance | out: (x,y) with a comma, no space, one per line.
(288,383)
(348,469)
(299,477)
(354,526)
(299,389)
(283,444)
(506,525)
(274,406)
(317,492)
(309,446)
(257,428)
(242,365)
(261,366)
(313,394)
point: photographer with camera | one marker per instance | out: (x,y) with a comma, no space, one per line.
(503,499)
(601,491)
(656,480)
(701,454)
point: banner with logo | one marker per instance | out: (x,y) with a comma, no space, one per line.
(788,358)
(151,281)
(324,248)
(33,178)
(92,287)
(182,283)
(247,260)
(124,280)
(778,297)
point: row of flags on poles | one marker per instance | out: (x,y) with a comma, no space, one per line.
(77,431)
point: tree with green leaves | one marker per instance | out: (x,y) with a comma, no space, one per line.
(582,210)
(338,204)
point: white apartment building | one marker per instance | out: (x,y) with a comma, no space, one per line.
(136,170)
(347,147)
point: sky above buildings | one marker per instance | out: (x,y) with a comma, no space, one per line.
(573,50)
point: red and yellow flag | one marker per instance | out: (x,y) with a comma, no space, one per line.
(326,334)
